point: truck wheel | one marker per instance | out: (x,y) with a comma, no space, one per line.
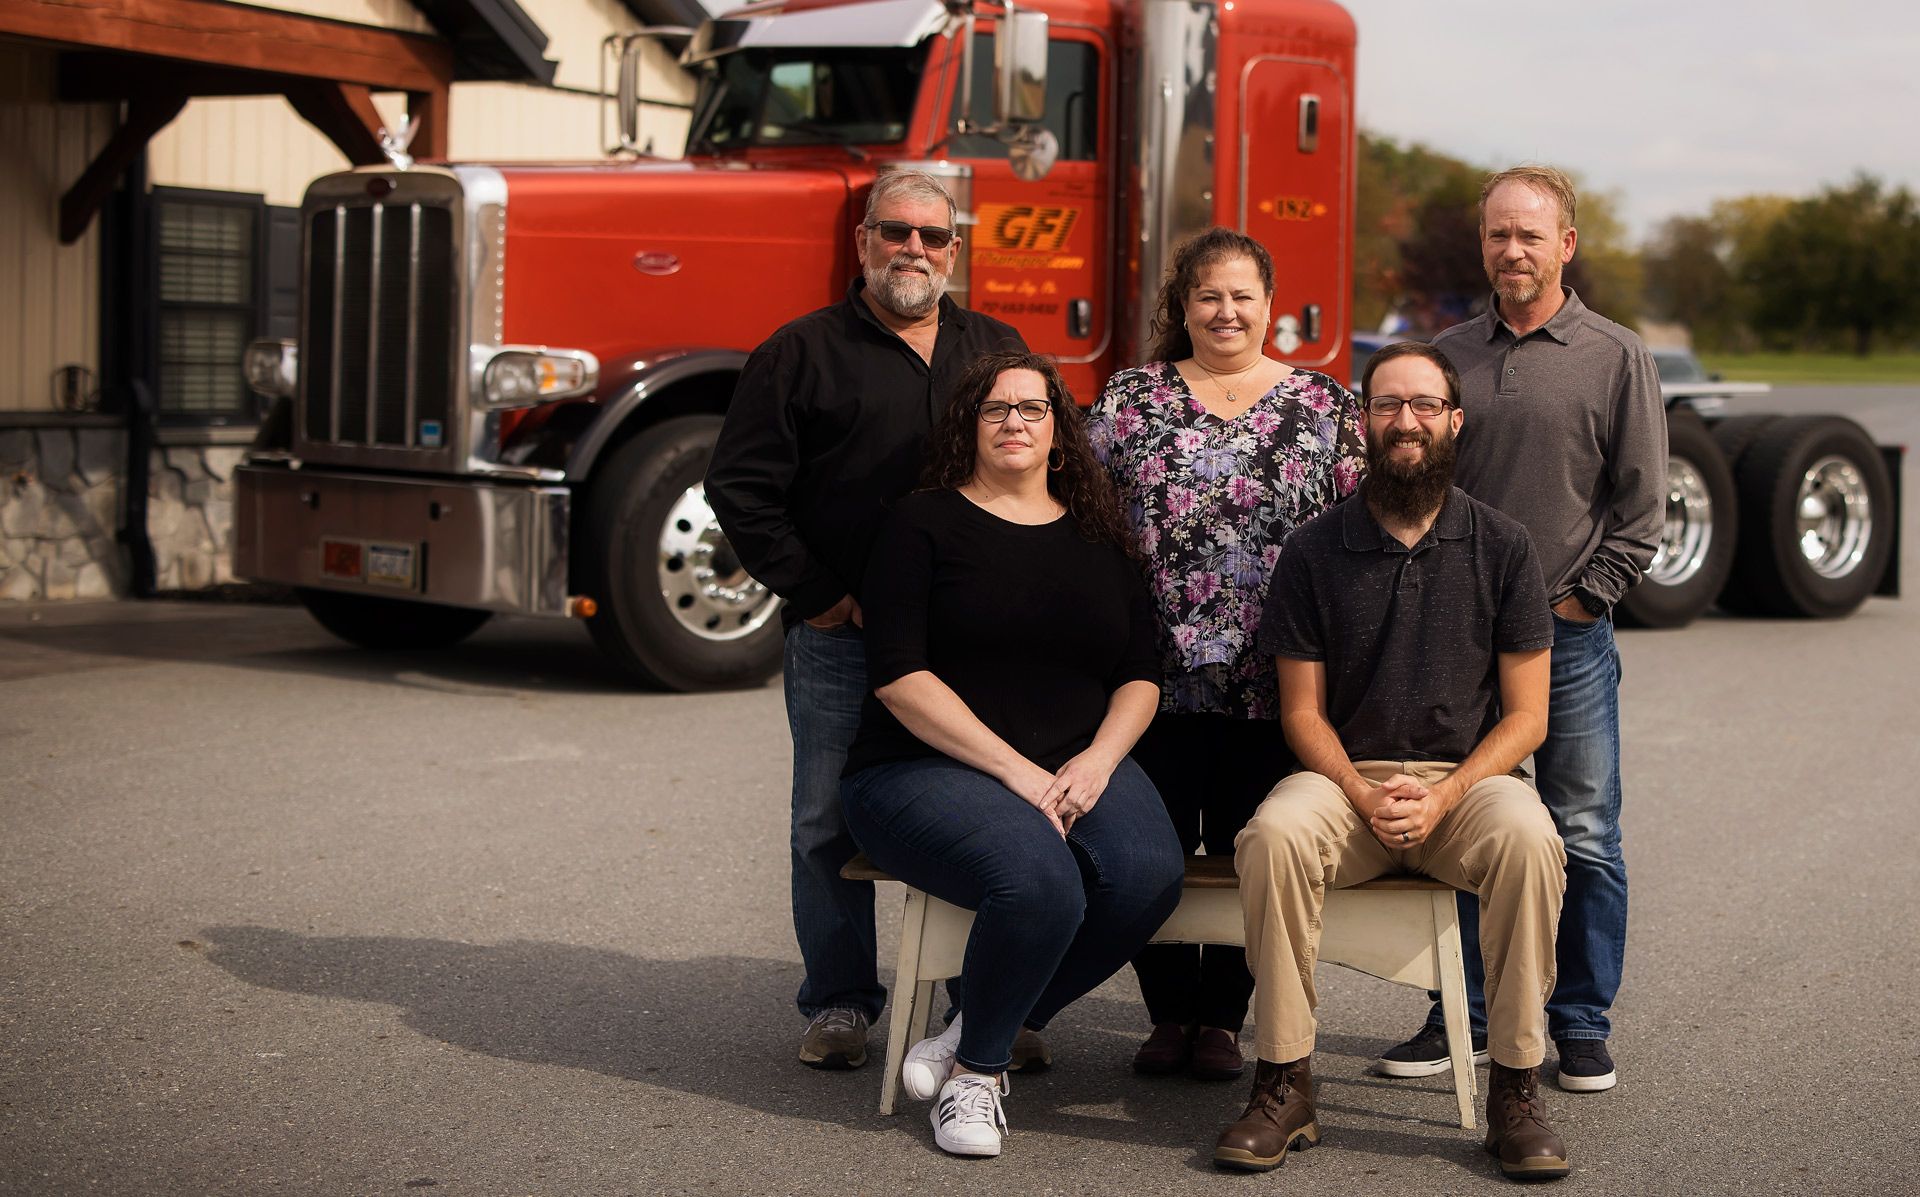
(372,621)
(1697,542)
(1816,519)
(677,610)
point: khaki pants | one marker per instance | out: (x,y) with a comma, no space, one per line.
(1498,843)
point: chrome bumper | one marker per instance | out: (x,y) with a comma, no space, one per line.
(501,548)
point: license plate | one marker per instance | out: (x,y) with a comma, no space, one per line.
(395,566)
(391,565)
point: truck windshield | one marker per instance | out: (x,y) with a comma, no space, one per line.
(807,97)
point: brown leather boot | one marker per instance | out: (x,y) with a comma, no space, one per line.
(1279,1116)
(1517,1128)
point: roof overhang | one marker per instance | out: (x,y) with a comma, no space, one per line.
(492,40)
(878,23)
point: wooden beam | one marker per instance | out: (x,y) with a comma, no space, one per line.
(430,139)
(144,118)
(238,35)
(88,76)
(345,113)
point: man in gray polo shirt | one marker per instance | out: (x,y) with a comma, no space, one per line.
(1566,433)
(1411,631)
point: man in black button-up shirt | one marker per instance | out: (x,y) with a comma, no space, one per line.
(825,432)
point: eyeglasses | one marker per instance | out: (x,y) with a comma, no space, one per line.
(896,232)
(1426,406)
(1031,410)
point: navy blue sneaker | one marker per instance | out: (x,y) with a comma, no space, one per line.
(1425,1054)
(1585,1066)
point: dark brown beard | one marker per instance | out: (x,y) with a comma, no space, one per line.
(1409,494)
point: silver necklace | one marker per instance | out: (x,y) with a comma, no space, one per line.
(1231,397)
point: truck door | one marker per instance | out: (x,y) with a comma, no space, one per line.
(1041,253)
(1296,182)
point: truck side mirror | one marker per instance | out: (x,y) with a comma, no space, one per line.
(1020,68)
(625,50)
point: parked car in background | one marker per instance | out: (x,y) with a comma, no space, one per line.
(1364,346)
(1683,379)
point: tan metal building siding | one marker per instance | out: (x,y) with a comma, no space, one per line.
(49,292)
(387,14)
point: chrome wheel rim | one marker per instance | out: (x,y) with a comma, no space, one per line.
(702,581)
(1687,535)
(1834,516)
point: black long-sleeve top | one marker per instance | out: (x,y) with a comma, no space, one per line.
(1032,626)
(827,429)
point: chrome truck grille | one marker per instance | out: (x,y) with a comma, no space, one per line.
(378,356)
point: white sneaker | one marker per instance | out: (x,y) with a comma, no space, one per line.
(929,1061)
(968,1120)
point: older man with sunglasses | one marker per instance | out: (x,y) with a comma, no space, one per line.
(825,432)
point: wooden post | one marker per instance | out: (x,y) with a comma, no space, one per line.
(430,140)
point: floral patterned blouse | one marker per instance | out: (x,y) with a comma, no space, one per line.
(1210,500)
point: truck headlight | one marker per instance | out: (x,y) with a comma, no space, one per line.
(271,367)
(525,376)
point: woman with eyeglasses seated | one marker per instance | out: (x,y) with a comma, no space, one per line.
(1011,650)
(1217,452)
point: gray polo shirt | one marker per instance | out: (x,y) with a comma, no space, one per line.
(1411,637)
(1566,433)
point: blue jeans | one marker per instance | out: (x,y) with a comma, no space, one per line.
(1053,918)
(1579,780)
(826,682)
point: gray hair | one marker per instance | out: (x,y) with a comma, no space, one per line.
(909,184)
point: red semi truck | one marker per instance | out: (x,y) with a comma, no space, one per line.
(509,378)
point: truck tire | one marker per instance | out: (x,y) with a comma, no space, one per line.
(1697,541)
(374,621)
(1816,519)
(1735,433)
(676,609)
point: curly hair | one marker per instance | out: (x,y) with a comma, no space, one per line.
(1080,484)
(1171,340)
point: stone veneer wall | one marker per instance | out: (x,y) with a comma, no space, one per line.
(190,515)
(60,512)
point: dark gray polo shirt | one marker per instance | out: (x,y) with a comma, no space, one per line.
(1410,637)
(1566,433)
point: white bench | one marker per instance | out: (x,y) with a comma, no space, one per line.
(1403,929)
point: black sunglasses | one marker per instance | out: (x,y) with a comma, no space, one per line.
(896,232)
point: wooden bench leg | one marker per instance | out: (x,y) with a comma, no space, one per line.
(911,997)
(1453,1000)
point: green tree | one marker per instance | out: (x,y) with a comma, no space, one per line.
(1838,269)
(1694,268)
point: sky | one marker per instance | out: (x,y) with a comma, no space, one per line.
(1667,104)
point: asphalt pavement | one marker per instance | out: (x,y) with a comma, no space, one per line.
(283,916)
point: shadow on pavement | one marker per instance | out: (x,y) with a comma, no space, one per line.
(509,655)
(711,1026)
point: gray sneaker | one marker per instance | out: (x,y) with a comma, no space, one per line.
(835,1039)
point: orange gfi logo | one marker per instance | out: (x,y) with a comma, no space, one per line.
(1026,226)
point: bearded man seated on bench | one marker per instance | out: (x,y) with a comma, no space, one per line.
(1412,630)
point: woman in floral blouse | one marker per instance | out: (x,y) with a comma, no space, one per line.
(1217,451)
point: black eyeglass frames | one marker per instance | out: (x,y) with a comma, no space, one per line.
(896,232)
(1423,405)
(1031,410)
